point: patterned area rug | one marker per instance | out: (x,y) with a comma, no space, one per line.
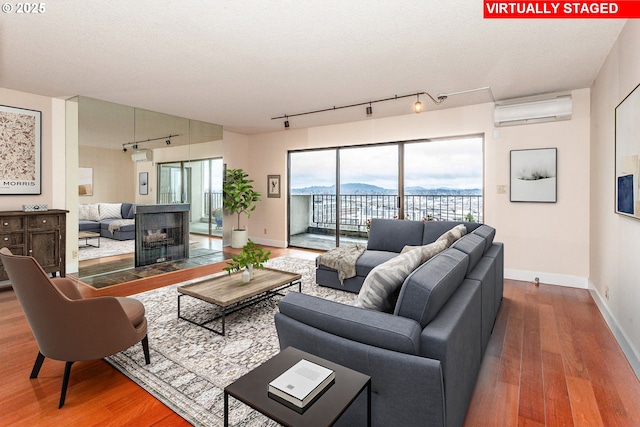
(190,366)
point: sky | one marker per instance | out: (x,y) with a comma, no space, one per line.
(433,164)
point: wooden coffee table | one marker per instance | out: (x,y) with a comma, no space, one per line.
(230,294)
(86,235)
(251,389)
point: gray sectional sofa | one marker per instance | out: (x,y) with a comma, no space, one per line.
(98,223)
(424,357)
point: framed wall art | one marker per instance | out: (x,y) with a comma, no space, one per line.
(534,175)
(273,186)
(143,181)
(20,151)
(85,181)
(627,142)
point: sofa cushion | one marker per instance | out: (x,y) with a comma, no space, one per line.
(364,326)
(379,288)
(88,212)
(452,235)
(487,233)
(431,285)
(371,259)
(434,229)
(473,246)
(392,235)
(428,251)
(127,210)
(110,210)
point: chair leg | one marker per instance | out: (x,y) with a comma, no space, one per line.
(145,349)
(65,383)
(36,366)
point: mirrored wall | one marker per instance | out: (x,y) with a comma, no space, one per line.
(125,154)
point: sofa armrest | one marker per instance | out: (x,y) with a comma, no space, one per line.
(370,327)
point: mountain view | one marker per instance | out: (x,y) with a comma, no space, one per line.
(359,188)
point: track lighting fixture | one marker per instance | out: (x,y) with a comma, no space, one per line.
(417,107)
(134,144)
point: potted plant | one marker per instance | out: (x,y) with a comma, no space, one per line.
(252,256)
(239,198)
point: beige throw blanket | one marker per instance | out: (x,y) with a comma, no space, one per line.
(116,225)
(343,259)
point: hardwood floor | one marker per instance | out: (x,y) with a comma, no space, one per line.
(551,361)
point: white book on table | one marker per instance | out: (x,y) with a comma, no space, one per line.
(301,383)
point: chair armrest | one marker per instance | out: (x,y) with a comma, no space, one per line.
(370,327)
(67,287)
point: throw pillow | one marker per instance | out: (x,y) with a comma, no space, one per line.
(380,286)
(452,235)
(88,212)
(428,251)
(110,210)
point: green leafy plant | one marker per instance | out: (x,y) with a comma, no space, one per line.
(238,194)
(251,254)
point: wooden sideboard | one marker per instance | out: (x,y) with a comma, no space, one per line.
(41,235)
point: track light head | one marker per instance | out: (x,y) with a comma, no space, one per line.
(134,146)
(369,110)
(124,149)
(286,123)
(168,141)
(417,107)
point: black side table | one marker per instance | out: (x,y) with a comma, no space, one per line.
(251,389)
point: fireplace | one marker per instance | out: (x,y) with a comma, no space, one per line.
(162,233)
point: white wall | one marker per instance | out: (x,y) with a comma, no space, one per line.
(549,241)
(54,180)
(615,238)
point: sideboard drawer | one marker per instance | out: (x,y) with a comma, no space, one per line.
(14,223)
(10,239)
(44,221)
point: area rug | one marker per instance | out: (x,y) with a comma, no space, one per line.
(190,366)
(108,247)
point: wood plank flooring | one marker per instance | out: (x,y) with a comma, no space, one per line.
(551,361)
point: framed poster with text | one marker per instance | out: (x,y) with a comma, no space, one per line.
(20,151)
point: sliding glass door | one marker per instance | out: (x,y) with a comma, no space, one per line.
(334,193)
(199,183)
(312,199)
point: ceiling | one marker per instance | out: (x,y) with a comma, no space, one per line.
(240,63)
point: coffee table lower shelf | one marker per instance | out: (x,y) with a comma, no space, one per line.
(230,295)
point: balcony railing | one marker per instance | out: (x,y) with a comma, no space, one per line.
(356,209)
(216,201)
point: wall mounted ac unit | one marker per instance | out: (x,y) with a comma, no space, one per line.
(546,108)
(142,156)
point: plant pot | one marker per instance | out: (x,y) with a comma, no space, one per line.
(239,238)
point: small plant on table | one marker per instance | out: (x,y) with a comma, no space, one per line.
(252,256)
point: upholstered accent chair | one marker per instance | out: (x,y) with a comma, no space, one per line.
(68,327)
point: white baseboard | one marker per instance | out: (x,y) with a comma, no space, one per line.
(548,278)
(632,356)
